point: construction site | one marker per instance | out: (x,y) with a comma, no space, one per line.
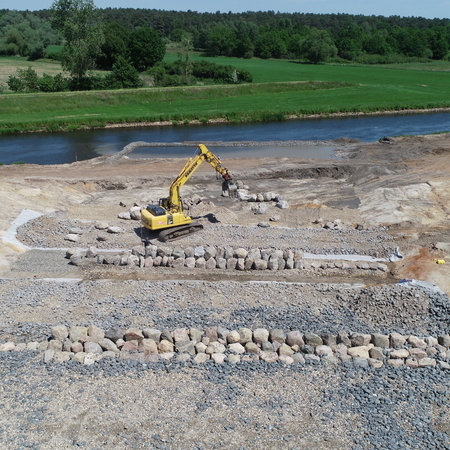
(308,309)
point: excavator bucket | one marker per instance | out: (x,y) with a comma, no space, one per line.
(229,188)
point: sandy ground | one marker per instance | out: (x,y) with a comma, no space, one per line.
(402,185)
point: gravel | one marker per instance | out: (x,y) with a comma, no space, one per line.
(123,404)
(50,232)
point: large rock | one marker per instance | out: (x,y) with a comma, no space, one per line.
(237,348)
(77,333)
(260,335)
(400,353)
(246,335)
(108,345)
(277,335)
(361,352)
(294,338)
(210,252)
(284,349)
(180,335)
(185,347)
(133,334)
(148,346)
(165,346)
(260,264)
(59,332)
(233,337)
(152,333)
(396,340)
(93,347)
(95,333)
(380,340)
(416,342)
(312,339)
(240,253)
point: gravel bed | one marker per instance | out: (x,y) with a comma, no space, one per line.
(128,405)
(50,232)
(172,304)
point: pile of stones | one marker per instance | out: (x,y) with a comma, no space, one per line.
(90,344)
(213,257)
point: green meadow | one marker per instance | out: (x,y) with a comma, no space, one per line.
(280,89)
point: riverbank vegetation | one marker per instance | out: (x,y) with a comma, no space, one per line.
(281,89)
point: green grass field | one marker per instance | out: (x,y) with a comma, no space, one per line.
(281,88)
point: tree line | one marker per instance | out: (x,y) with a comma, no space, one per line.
(130,41)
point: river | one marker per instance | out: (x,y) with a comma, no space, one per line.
(67,147)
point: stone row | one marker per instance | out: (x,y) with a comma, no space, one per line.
(218,257)
(90,344)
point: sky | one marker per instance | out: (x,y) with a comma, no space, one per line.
(406,8)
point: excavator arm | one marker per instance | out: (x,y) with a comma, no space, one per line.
(174,203)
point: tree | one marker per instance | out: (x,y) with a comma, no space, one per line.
(318,47)
(221,40)
(146,48)
(115,45)
(77,21)
(185,59)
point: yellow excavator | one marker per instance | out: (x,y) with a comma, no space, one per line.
(168,215)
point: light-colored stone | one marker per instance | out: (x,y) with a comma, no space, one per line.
(312,339)
(397,340)
(399,353)
(92,347)
(294,338)
(427,362)
(218,358)
(7,346)
(77,333)
(286,359)
(416,342)
(269,356)
(237,348)
(376,353)
(48,355)
(166,356)
(148,346)
(323,350)
(395,362)
(284,349)
(215,347)
(201,358)
(252,347)
(95,333)
(180,335)
(61,357)
(152,333)
(234,358)
(278,335)
(246,335)
(200,347)
(233,337)
(361,352)
(133,334)
(59,332)
(260,335)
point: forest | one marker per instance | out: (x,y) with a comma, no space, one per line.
(130,41)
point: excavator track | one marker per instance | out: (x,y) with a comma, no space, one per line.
(174,233)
